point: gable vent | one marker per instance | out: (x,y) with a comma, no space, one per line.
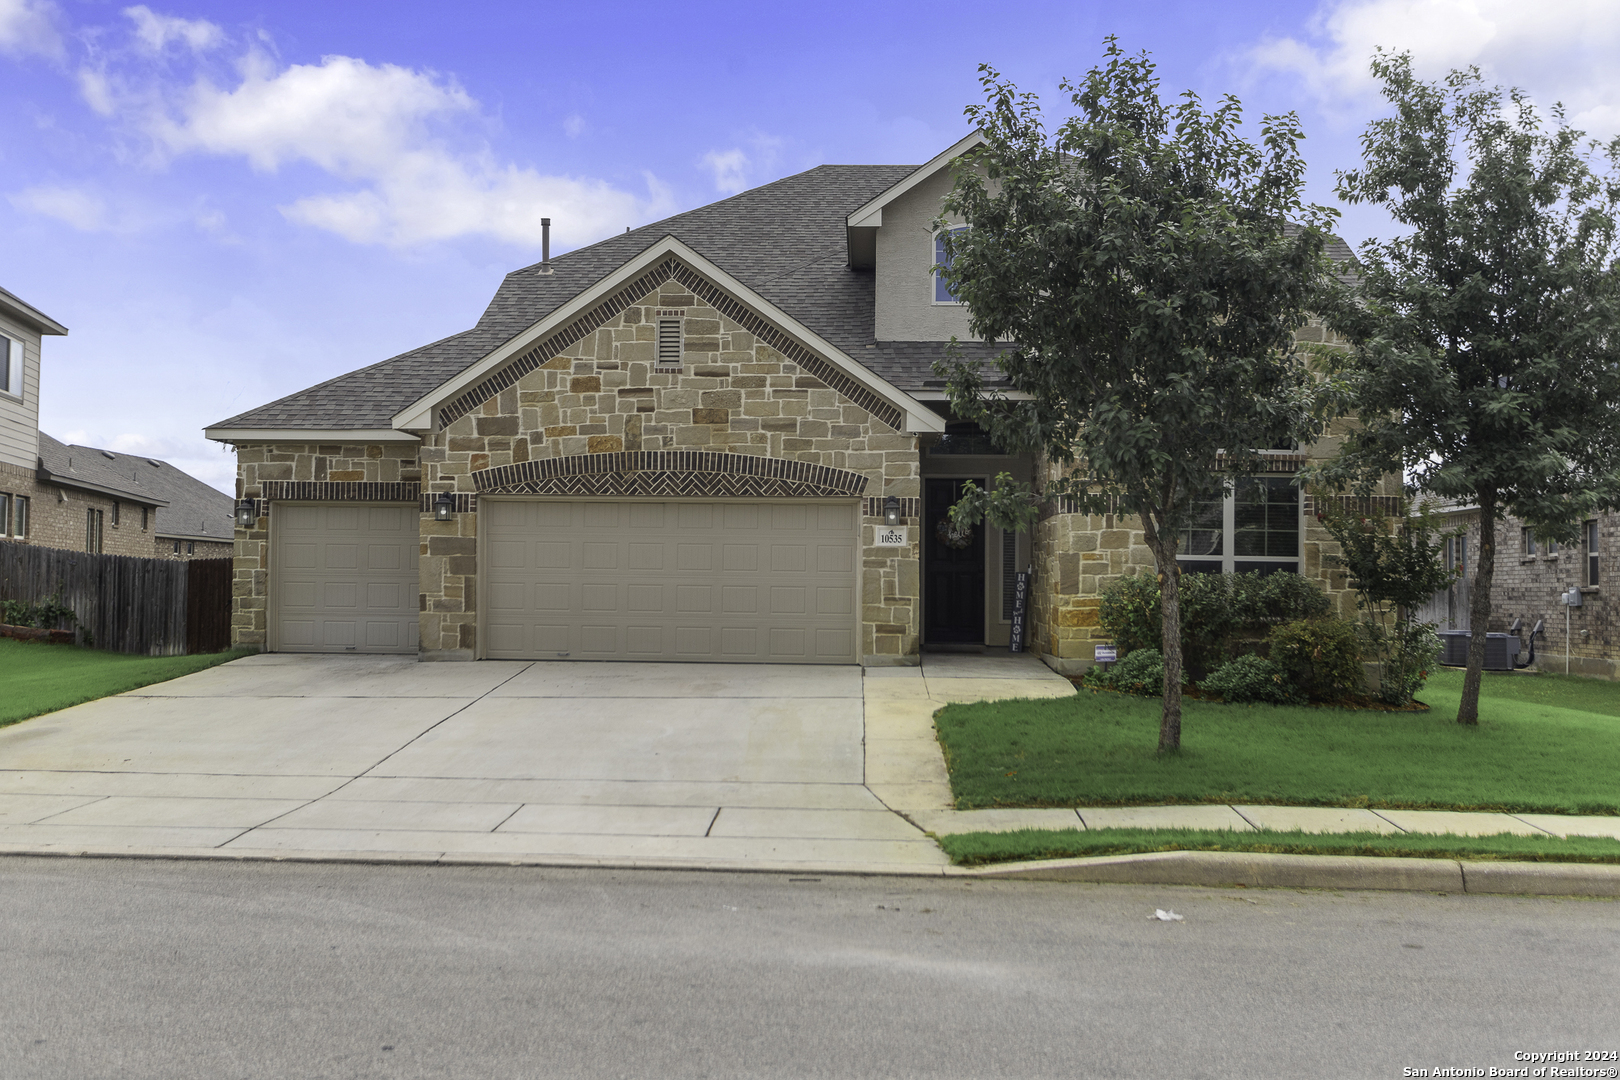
(669,343)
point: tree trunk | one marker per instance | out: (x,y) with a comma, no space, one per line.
(1479,610)
(1170,606)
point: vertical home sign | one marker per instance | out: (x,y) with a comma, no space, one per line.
(1020,609)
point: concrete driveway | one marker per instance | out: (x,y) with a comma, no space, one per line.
(590,763)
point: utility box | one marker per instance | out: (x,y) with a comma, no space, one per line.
(1501,650)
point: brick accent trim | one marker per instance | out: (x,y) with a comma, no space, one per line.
(340,491)
(872,507)
(714,296)
(463,502)
(676,473)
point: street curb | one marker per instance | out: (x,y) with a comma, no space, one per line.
(1266,870)
(1195,868)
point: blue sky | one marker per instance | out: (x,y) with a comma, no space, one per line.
(227,202)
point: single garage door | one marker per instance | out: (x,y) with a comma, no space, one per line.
(736,581)
(344,578)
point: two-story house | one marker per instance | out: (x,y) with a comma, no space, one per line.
(717,437)
(82,498)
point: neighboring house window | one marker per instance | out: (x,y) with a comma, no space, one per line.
(669,343)
(191,547)
(116,504)
(19,517)
(1590,531)
(943,293)
(1256,528)
(143,519)
(5,514)
(92,531)
(1529,540)
(11,366)
(1552,548)
(177,547)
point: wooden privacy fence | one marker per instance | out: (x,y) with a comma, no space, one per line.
(159,607)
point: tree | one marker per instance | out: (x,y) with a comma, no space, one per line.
(1484,363)
(1148,266)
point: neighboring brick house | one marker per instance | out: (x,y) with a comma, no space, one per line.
(82,498)
(717,437)
(1530,578)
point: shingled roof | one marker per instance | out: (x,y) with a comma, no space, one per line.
(785,240)
(188,508)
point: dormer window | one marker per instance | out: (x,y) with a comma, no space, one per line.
(11,366)
(943,293)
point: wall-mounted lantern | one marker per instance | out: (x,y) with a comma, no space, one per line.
(444,507)
(891,511)
(246,515)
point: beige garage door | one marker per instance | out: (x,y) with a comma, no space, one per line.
(736,581)
(344,578)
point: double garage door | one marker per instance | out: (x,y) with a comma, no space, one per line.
(344,578)
(734,581)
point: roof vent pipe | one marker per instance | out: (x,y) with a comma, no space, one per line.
(545,245)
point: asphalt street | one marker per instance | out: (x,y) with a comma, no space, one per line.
(138,968)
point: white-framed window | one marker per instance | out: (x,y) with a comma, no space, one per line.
(11,366)
(671,346)
(942,291)
(1552,548)
(1589,537)
(177,547)
(1529,539)
(1256,528)
(19,516)
(92,531)
(143,518)
(191,547)
(115,513)
(5,514)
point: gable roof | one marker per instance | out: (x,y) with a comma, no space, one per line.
(784,241)
(190,509)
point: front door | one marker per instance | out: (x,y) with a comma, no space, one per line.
(953,571)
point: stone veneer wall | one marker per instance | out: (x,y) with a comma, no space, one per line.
(743,389)
(1077,555)
(267,472)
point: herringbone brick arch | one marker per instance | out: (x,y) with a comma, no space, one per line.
(670,474)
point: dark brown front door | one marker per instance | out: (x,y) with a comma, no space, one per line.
(953,577)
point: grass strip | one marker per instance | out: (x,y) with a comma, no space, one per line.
(981,848)
(1544,744)
(41,678)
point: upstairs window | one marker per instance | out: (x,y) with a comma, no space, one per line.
(92,531)
(943,293)
(11,366)
(1529,540)
(670,345)
(19,516)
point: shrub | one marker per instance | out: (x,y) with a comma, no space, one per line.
(1214,608)
(1129,613)
(1250,678)
(1410,653)
(1320,658)
(1142,672)
(44,614)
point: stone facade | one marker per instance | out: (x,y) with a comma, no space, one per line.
(748,413)
(270,472)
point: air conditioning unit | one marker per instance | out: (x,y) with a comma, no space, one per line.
(1501,650)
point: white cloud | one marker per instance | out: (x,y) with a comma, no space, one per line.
(574,125)
(156,31)
(387,129)
(1557,50)
(29,26)
(737,169)
(79,208)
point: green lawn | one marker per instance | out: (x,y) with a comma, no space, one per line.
(41,678)
(1544,743)
(975,849)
